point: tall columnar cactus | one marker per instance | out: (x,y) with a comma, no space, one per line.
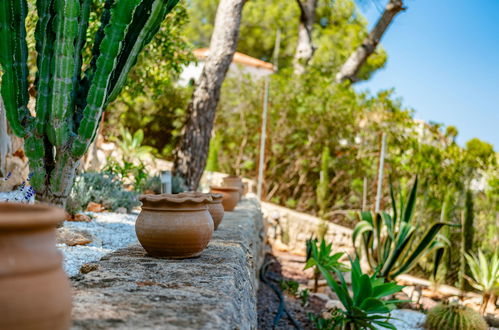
(467,238)
(70,98)
(447,316)
(322,190)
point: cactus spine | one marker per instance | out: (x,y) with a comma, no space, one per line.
(447,316)
(69,105)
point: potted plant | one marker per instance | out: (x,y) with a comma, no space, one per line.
(174,226)
(34,290)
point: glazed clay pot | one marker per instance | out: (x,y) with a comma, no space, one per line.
(234,181)
(174,226)
(214,204)
(230,196)
(34,290)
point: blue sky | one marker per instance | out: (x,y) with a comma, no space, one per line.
(443,60)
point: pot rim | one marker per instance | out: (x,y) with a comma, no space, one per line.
(232,177)
(174,199)
(216,198)
(19,215)
(225,188)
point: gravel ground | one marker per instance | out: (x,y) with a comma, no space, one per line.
(110,231)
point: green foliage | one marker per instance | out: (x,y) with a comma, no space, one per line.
(153,183)
(447,316)
(320,255)
(212,161)
(73,85)
(128,173)
(367,306)
(484,274)
(289,286)
(101,188)
(323,186)
(389,242)
(131,146)
(338,30)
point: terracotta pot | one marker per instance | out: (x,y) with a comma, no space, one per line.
(230,196)
(214,204)
(216,208)
(34,290)
(174,226)
(234,181)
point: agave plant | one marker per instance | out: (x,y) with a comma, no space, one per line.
(389,242)
(321,255)
(70,96)
(365,308)
(485,275)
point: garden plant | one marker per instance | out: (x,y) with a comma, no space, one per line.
(484,275)
(369,304)
(71,91)
(389,242)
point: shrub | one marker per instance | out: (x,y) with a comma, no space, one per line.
(101,188)
(366,308)
(447,316)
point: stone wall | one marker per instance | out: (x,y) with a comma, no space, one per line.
(130,290)
(290,229)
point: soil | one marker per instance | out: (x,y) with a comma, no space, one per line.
(285,267)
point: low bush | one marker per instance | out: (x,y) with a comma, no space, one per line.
(102,188)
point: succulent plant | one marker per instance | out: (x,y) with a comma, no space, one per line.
(391,242)
(450,316)
(70,96)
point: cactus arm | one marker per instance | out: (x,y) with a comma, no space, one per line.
(121,17)
(44,43)
(16,112)
(61,83)
(146,23)
(20,11)
(99,36)
(80,41)
(34,145)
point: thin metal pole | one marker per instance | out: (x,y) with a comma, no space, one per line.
(364,195)
(263,139)
(380,173)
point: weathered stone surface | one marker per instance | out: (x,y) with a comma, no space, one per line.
(131,290)
(290,229)
(72,237)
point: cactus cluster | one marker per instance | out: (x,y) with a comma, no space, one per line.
(449,316)
(70,97)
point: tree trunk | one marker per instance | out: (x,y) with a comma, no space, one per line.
(305,48)
(190,155)
(5,146)
(353,64)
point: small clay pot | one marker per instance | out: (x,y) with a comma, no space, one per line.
(230,196)
(216,208)
(214,204)
(174,226)
(234,181)
(34,290)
